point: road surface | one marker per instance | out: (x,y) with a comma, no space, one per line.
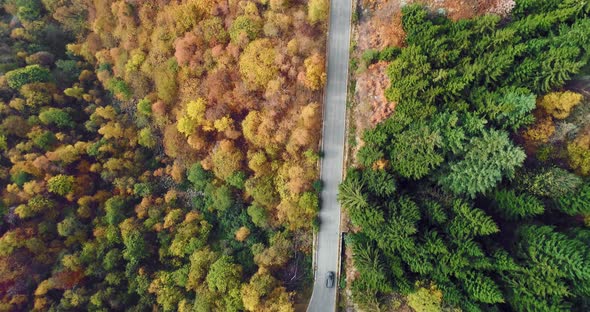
(324,299)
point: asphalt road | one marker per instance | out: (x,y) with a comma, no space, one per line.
(323,299)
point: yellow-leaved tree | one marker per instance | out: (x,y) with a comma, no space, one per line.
(257,64)
(560,104)
(315,75)
(193,117)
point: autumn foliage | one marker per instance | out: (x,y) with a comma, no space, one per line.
(158,155)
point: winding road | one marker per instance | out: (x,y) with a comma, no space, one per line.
(323,299)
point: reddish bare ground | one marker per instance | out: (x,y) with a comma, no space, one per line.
(380,25)
(371,84)
(461,9)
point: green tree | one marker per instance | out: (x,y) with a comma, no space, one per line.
(555,269)
(43,139)
(262,191)
(144,106)
(470,222)
(60,184)
(247,26)
(57,117)
(350,194)
(577,202)
(190,236)
(486,161)
(146,138)
(135,248)
(198,176)
(224,275)
(482,288)
(35,206)
(414,153)
(3,142)
(259,215)
(380,182)
(552,182)
(29,74)
(517,206)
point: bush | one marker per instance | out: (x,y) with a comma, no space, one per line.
(370,56)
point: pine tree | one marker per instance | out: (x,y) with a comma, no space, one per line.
(379,182)
(482,288)
(486,161)
(552,182)
(414,153)
(517,206)
(470,222)
(351,196)
(576,203)
(368,261)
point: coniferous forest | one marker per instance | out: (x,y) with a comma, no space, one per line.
(158,155)
(474,193)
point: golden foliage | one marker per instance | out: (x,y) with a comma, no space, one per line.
(578,153)
(242,234)
(315,75)
(257,64)
(226,159)
(560,104)
(541,131)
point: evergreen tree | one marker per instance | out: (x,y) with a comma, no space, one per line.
(486,161)
(517,206)
(577,202)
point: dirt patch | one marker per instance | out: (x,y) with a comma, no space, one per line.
(380,25)
(370,87)
(461,9)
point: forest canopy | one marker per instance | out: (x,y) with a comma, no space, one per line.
(467,196)
(158,155)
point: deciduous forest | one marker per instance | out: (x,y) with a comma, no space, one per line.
(474,193)
(158,154)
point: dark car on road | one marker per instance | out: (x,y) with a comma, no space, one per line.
(330,279)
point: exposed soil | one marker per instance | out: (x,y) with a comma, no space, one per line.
(380,25)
